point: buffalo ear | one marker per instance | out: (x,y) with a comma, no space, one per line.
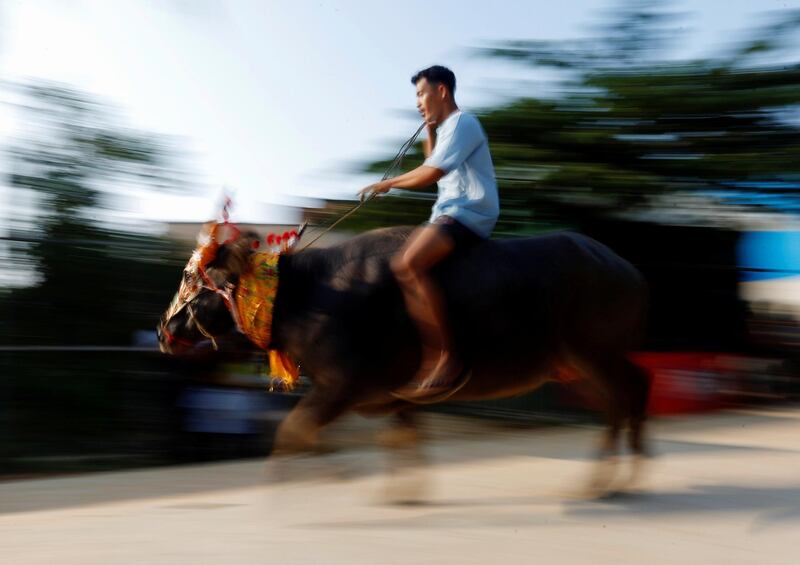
(233,257)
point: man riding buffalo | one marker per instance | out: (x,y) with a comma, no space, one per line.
(465,212)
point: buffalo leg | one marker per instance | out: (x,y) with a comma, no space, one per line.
(299,431)
(407,481)
(638,385)
(604,377)
(623,389)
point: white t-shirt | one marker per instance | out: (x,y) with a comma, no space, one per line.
(468,189)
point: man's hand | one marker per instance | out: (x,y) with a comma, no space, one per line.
(430,141)
(377,188)
(421,177)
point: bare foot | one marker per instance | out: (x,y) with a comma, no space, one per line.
(443,375)
(427,383)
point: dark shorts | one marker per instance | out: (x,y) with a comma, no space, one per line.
(461,235)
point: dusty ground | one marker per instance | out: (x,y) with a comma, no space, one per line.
(724,488)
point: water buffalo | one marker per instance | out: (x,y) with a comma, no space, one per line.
(522,312)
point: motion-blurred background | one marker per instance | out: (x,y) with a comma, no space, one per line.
(669,131)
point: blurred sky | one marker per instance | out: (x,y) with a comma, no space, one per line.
(281,100)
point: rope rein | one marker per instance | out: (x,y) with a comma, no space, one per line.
(398,160)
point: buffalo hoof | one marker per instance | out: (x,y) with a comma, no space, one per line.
(602,478)
(407,479)
(638,474)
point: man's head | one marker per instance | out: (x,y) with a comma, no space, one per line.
(436,87)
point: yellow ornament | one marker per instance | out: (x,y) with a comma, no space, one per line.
(255,300)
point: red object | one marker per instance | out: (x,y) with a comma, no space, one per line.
(684,382)
(680,382)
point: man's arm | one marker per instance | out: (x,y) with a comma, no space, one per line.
(421,177)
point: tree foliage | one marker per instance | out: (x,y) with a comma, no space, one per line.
(92,282)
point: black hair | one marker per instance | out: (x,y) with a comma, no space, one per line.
(437,74)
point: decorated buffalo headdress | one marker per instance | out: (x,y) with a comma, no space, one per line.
(251,301)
